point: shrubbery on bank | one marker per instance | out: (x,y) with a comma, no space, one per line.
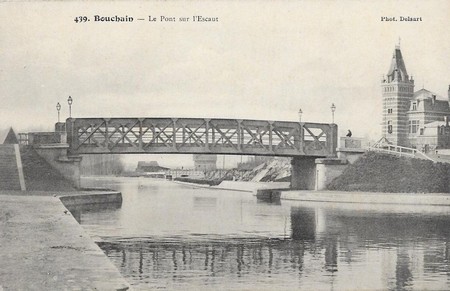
(375,172)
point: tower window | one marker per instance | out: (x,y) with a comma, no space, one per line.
(390,111)
(389,126)
(413,126)
(414,106)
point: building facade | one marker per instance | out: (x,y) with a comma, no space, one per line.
(150,167)
(412,119)
(205,162)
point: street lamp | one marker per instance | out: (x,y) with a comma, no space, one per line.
(300,112)
(333,109)
(70,101)
(58,107)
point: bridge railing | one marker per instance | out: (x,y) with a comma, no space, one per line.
(399,151)
(353,143)
(200,135)
(23,138)
(41,138)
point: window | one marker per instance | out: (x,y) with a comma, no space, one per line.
(413,126)
(389,126)
(414,106)
(390,111)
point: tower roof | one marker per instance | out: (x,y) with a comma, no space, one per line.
(397,71)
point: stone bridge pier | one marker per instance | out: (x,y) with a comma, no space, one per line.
(313,173)
(67,166)
(303,173)
(53,148)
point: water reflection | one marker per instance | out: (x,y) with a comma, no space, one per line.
(343,249)
(170,236)
(158,263)
(78,211)
(411,250)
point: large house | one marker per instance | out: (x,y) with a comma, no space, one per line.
(205,162)
(150,167)
(413,119)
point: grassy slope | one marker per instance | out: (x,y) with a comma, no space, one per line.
(376,172)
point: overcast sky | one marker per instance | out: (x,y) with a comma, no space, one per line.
(262,60)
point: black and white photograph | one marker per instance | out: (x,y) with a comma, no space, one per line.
(225,145)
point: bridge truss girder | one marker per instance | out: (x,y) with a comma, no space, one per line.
(200,135)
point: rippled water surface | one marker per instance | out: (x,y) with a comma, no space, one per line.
(171,236)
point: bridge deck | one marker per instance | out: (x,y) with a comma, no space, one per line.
(200,135)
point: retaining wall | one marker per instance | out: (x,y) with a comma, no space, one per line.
(368,198)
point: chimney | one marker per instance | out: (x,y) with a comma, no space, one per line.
(448,92)
(446,121)
(433,100)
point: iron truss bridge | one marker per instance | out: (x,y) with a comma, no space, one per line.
(200,136)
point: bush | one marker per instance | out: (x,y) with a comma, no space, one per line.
(377,172)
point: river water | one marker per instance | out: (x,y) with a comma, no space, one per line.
(171,236)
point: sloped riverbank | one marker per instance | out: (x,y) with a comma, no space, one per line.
(375,172)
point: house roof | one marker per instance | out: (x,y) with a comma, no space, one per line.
(438,105)
(151,166)
(426,102)
(431,128)
(148,164)
(426,94)
(435,124)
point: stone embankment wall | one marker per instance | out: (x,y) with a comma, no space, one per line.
(40,175)
(375,172)
(9,174)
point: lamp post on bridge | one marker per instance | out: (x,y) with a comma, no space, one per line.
(333,109)
(70,101)
(58,107)
(300,112)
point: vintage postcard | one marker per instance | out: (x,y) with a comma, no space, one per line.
(225,145)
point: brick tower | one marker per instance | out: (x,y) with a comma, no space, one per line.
(397,91)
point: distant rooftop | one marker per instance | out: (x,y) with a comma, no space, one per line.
(435,124)
(148,164)
(424,94)
(151,166)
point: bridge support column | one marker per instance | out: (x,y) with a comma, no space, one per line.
(303,173)
(56,156)
(327,170)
